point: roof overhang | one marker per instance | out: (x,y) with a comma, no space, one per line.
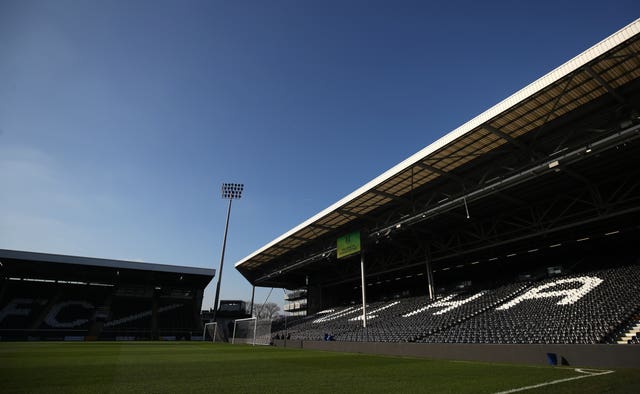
(598,71)
(17,255)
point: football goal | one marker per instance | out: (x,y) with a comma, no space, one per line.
(251,331)
(209,332)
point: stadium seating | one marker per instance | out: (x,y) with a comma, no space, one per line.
(627,333)
(589,307)
(42,309)
(35,309)
(592,307)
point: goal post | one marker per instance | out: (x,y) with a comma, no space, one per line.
(251,331)
(211,329)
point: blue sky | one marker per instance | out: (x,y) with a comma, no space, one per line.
(119,120)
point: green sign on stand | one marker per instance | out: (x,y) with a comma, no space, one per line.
(348,244)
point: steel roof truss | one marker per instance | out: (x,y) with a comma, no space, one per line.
(604,84)
(321,226)
(347,214)
(385,194)
(440,172)
(508,138)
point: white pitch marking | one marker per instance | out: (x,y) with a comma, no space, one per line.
(583,371)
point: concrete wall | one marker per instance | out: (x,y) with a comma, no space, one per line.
(290,343)
(597,356)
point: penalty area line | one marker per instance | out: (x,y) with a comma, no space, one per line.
(586,373)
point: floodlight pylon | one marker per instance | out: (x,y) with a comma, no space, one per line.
(230,191)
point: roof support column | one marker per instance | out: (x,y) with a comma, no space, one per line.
(253,293)
(364,291)
(430,284)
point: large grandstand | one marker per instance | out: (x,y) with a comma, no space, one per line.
(518,227)
(56,297)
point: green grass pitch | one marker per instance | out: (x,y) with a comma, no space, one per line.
(191,367)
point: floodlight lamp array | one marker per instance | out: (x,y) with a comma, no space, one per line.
(232,190)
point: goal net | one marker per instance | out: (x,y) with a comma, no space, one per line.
(252,331)
(210,331)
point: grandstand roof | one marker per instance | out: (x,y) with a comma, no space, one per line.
(598,71)
(35,261)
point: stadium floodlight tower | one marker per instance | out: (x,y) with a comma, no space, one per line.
(230,191)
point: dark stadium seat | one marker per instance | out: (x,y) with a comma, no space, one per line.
(588,319)
(48,310)
(582,308)
(45,310)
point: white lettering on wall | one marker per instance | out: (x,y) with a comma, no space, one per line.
(337,315)
(16,307)
(52,316)
(141,315)
(569,296)
(371,315)
(445,302)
